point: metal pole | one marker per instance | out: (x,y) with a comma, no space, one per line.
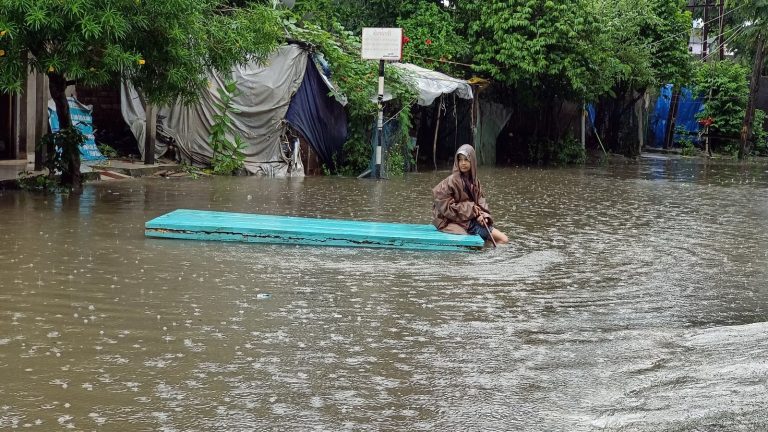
(584,126)
(380,123)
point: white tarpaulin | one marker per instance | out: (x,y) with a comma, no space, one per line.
(264,94)
(431,84)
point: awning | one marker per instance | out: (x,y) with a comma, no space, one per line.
(431,84)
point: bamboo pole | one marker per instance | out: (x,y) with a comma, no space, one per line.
(437,129)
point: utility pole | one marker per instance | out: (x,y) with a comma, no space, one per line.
(692,5)
(669,136)
(745,147)
(704,33)
(720,39)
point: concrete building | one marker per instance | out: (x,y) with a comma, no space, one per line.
(23,119)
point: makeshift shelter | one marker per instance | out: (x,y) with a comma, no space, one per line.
(463,116)
(287,90)
(429,86)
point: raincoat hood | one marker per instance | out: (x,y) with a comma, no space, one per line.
(469,152)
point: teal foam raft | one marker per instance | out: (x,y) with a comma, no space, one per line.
(256,228)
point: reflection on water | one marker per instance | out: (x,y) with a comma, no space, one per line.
(633,297)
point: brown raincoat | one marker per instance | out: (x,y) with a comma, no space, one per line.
(453,207)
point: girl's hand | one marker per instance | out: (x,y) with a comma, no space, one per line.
(479,215)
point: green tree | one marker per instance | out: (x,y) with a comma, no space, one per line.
(434,37)
(352,15)
(754,15)
(540,53)
(648,40)
(726,89)
(537,43)
(163,47)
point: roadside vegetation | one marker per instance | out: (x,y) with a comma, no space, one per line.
(540,56)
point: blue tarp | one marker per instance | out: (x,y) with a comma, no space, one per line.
(689,105)
(319,117)
(83,121)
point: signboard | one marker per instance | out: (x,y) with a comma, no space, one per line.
(83,121)
(382,43)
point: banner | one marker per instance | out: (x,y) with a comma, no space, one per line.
(83,121)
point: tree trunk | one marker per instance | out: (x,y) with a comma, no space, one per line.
(640,107)
(610,122)
(754,86)
(70,175)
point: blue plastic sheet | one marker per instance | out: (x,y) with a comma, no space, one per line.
(319,117)
(689,106)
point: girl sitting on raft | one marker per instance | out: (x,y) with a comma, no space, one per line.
(460,206)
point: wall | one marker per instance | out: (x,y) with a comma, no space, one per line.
(108,123)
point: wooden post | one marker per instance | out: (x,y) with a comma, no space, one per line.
(720,42)
(640,111)
(754,86)
(584,114)
(437,129)
(706,141)
(706,131)
(704,32)
(472,116)
(149,134)
(669,136)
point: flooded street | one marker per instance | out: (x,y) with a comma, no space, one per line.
(632,298)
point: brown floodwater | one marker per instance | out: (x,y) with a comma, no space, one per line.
(633,297)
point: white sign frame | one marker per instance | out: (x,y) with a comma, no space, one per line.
(382,43)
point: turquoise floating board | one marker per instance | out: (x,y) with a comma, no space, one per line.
(256,228)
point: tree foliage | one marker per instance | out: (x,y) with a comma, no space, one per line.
(163,47)
(434,37)
(725,86)
(754,14)
(537,44)
(648,45)
(648,40)
(228,157)
(539,52)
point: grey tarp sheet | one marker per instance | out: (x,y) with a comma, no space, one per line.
(264,96)
(491,120)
